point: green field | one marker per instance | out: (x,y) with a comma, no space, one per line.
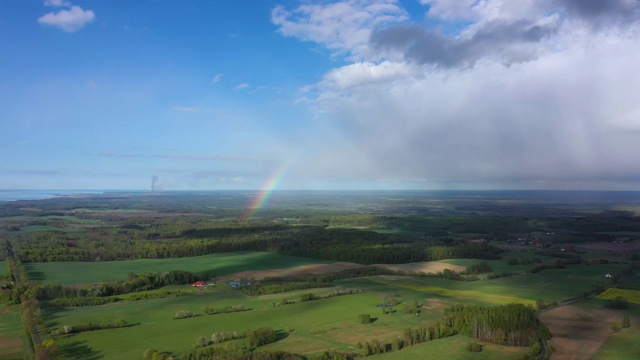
(310,326)
(10,332)
(454,348)
(221,264)
(621,346)
(631,282)
(314,326)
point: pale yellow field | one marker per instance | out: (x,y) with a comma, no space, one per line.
(632,296)
(424,266)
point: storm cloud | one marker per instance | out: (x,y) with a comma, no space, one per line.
(527,94)
(508,42)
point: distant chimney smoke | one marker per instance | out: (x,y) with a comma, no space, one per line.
(154,181)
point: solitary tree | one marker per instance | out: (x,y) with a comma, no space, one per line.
(202,341)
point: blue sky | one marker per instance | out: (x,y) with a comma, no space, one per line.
(360,94)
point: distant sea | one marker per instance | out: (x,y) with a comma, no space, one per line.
(15,195)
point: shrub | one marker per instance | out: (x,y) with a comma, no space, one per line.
(541,304)
(202,341)
(364,318)
(259,337)
(184,314)
(148,353)
(474,347)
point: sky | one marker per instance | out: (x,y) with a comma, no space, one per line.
(356,94)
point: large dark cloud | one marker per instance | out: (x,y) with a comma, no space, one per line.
(604,12)
(510,42)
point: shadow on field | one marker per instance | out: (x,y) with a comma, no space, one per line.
(281,335)
(34,275)
(78,350)
(51,314)
(227,232)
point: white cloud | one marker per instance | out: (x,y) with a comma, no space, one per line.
(57,3)
(216,78)
(70,20)
(241,86)
(342,27)
(514,107)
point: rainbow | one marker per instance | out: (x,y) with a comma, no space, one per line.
(259,201)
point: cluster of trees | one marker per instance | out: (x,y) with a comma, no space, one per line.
(68,329)
(514,261)
(447,274)
(512,324)
(184,314)
(227,309)
(103,293)
(310,297)
(259,337)
(479,268)
(262,288)
(218,337)
(560,264)
(215,353)
(502,274)
(37,341)
(254,338)
(411,337)
(96,300)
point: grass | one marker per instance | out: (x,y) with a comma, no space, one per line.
(224,263)
(310,327)
(454,348)
(450,292)
(621,346)
(10,332)
(549,285)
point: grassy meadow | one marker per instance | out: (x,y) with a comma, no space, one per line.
(455,349)
(10,335)
(621,346)
(309,327)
